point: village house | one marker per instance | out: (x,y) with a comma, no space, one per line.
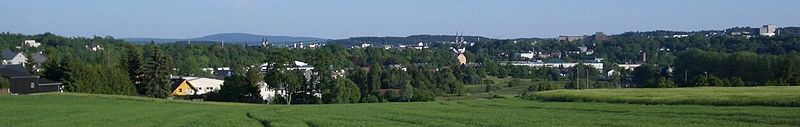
(203,85)
(31,43)
(526,55)
(420,46)
(182,88)
(598,66)
(192,87)
(570,38)
(94,47)
(219,72)
(11,57)
(22,82)
(363,45)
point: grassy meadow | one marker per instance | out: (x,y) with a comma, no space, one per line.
(722,96)
(108,110)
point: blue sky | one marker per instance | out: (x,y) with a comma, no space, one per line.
(350,18)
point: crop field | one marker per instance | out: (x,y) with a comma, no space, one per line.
(721,96)
(107,110)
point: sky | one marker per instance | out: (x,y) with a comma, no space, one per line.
(335,19)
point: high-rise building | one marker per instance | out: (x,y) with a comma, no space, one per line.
(768,30)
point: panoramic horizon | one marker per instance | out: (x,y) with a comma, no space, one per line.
(343,19)
(345,63)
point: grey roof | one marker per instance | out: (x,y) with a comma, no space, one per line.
(14,66)
(221,74)
(44,81)
(8,54)
(13,73)
(38,57)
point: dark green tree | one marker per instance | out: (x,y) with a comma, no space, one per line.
(156,74)
(406,92)
(287,82)
(132,61)
(53,68)
(237,88)
(30,64)
(70,70)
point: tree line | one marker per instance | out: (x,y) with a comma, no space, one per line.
(382,75)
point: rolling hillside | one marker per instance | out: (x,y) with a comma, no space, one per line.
(109,110)
(723,96)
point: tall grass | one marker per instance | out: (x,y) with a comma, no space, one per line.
(788,96)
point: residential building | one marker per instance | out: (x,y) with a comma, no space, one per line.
(570,38)
(181,88)
(741,34)
(680,36)
(598,66)
(219,72)
(11,57)
(363,45)
(202,85)
(419,45)
(31,43)
(526,55)
(629,66)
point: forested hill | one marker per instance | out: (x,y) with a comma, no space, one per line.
(667,33)
(244,38)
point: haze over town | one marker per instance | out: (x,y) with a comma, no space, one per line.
(355,18)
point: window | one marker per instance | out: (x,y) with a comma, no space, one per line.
(33,85)
(180,90)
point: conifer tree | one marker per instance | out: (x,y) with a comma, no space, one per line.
(29,63)
(132,62)
(156,72)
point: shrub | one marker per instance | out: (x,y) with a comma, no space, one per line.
(665,83)
(735,81)
(487,81)
(532,88)
(371,99)
(513,82)
(4,83)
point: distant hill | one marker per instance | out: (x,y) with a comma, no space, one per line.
(413,39)
(245,38)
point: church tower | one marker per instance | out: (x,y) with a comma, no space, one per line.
(459,49)
(264,42)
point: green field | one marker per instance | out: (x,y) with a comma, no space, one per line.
(107,110)
(723,96)
(501,89)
